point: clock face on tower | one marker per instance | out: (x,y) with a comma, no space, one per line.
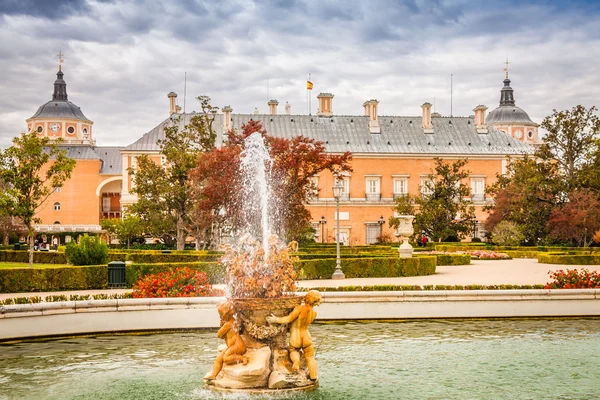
(519,134)
(54,127)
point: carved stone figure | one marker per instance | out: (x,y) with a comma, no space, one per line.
(236,348)
(299,319)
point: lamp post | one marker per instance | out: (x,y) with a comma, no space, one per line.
(381,222)
(475,222)
(322,222)
(337,193)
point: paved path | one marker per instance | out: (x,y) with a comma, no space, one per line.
(518,271)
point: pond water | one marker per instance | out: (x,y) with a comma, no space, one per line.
(436,359)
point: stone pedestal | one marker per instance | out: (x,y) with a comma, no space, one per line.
(405,249)
(253,375)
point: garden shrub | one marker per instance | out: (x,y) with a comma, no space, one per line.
(214,271)
(366,267)
(39,257)
(507,233)
(180,257)
(453,259)
(179,282)
(574,279)
(89,251)
(569,259)
(15,280)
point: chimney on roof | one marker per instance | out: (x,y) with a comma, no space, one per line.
(273,106)
(227,118)
(325,104)
(426,124)
(371,111)
(480,118)
(172,101)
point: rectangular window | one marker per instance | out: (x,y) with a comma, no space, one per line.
(345,182)
(478,189)
(373,189)
(313,191)
(106,204)
(427,186)
(400,187)
(373,231)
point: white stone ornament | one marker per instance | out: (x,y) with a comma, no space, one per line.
(404,231)
(54,127)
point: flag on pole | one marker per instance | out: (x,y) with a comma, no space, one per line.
(309,85)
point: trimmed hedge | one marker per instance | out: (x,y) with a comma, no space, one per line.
(521,253)
(387,288)
(215,272)
(39,257)
(151,258)
(367,267)
(13,280)
(568,259)
(452,259)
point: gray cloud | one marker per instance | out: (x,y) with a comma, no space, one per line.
(123,57)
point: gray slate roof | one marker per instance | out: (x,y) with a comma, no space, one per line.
(508,115)
(399,135)
(59,109)
(110,157)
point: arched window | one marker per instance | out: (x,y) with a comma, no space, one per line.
(57,206)
(530,134)
(56,222)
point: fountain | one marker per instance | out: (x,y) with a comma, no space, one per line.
(262,305)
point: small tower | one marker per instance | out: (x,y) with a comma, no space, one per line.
(60,118)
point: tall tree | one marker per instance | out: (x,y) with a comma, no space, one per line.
(525,195)
(571,140)
(31,168)
(443,213)
(164,192)
(576,220)
(125,229)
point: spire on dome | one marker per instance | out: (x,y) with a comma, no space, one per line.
(507,97)
(60,87)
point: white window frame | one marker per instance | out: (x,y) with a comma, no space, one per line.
(105,201)
(425,189)
(477,182)
(400,187)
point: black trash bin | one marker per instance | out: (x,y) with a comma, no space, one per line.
(116,274)
(17,246)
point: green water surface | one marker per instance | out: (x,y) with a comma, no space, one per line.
(441,359)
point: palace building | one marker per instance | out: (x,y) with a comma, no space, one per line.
(392,156)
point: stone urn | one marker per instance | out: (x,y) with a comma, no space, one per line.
(253,313)
(403,232)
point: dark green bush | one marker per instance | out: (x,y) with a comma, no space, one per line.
(215,272)
(452,259)
(39,257)
(89,251)
(179,257)
(15,280)
(568,259)
(367,267)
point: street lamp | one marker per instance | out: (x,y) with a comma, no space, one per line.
(338,189)
(322,222)
(381,222)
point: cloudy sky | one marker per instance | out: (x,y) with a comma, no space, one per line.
(123,57)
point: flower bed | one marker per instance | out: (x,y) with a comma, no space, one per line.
(475,254)
(180,282)
(574,279)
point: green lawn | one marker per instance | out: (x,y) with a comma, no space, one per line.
(6,265)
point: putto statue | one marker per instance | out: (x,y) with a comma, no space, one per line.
(234,352)
(300,340)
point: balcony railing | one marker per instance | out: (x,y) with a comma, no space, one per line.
(373,196)
(478,197)
(345,197)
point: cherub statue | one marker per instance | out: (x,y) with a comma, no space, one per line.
(300,318)
(236,348)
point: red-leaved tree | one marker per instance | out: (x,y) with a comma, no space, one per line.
(218,189)
(577,219)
